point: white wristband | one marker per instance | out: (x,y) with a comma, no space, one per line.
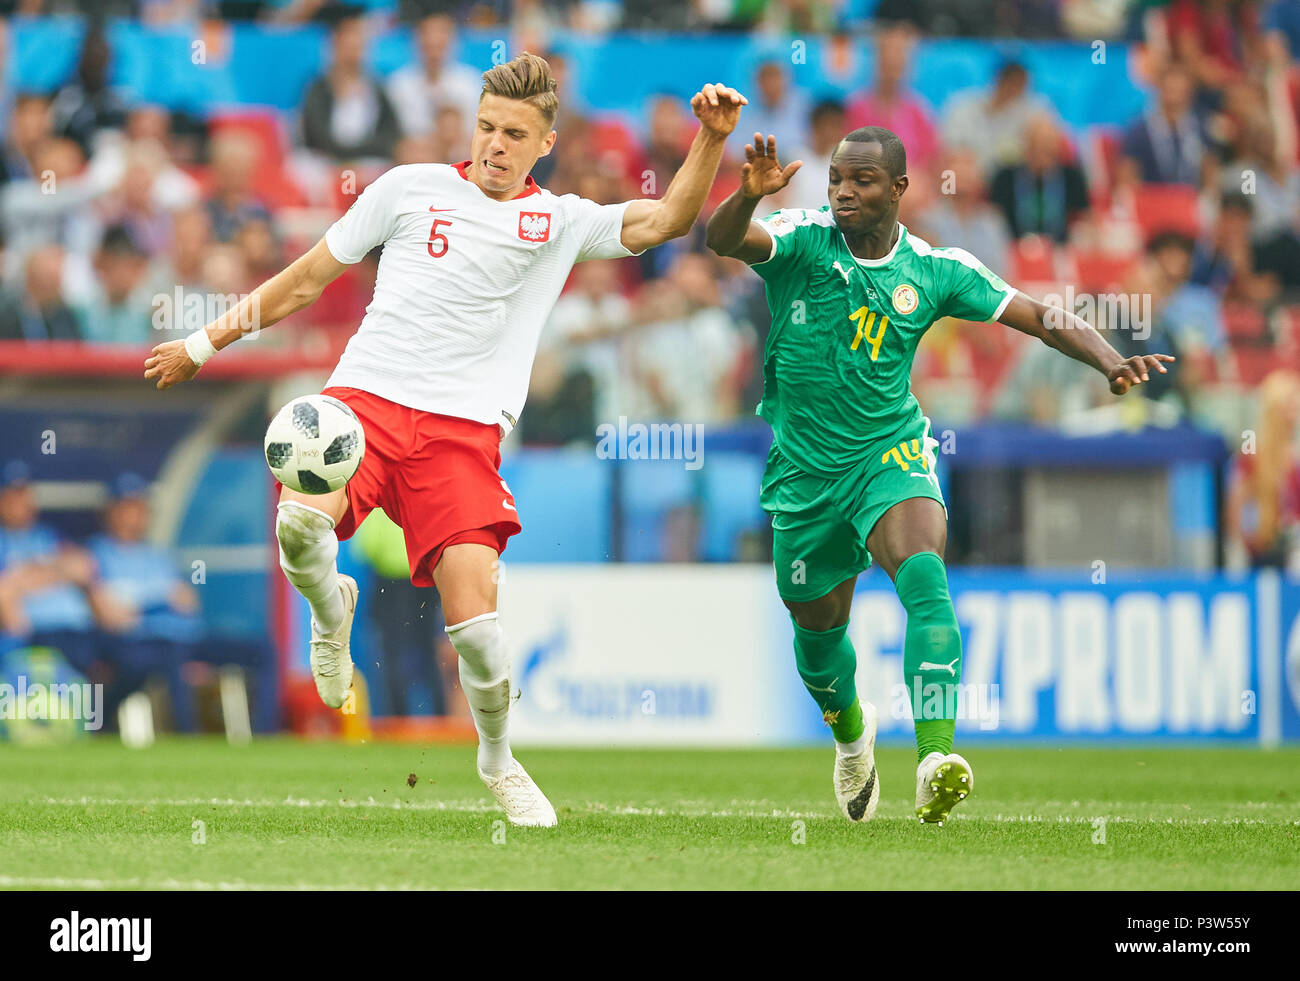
(199,347)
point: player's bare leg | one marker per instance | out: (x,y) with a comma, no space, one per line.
(304,527)
(466,577)
(908,543)
(827,665)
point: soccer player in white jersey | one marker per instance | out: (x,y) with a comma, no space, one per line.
(474,258)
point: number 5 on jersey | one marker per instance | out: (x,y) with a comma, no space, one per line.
(438,243)
(866,318)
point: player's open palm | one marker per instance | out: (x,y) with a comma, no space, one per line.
(717,107)
(763,173)
(171,364)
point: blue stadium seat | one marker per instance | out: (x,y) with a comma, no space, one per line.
(235,497)
(564,505)
(651,489)
(731,483)
(231,507)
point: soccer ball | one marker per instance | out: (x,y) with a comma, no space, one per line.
(315,444)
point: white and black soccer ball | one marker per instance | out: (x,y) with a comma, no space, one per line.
(315,444)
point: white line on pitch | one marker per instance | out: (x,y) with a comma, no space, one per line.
(747,809)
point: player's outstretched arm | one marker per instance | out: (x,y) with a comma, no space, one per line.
(1059,328)
(285,293)
(647,223)
(731,229)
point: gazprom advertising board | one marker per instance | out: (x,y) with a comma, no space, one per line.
(701,655)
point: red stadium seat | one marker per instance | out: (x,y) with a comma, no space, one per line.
(267,128)
(1254,362)
(1101,272)
(1033,259)
(1245,324)
(1103,159)
(1166,208)
(611,138)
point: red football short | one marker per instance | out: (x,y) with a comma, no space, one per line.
(435,476)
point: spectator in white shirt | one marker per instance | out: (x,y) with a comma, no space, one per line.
(991,122)
(585,331)
(688,366)
(419,91)
(778,109)
(809,186)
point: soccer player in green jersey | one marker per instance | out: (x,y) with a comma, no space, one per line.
(851,474)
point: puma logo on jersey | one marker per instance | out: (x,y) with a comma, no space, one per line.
(829,689)
(841,270)
(534,226)
(950,667)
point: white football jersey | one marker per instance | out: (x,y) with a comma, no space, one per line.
(465,284)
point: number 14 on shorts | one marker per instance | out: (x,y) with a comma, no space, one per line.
(908,449)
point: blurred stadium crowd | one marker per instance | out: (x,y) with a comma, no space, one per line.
(1194,204)
(1192,207)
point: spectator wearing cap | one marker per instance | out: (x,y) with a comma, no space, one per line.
(119,310)
(43,580)
(145,605)
(990,123)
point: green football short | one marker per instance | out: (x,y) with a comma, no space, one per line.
(820,526)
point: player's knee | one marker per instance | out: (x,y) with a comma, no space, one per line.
(300,530)
(819,615)
(922,584)
(479,643)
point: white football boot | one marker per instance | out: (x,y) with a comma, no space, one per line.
(331,654)
(856,786)
(525,804)
(942,782)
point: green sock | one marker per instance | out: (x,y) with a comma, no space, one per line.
(827,665)
(931,651)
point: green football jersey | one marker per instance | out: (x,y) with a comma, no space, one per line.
(838,362)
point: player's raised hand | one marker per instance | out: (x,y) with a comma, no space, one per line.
(171,364)
(718,107)
(1135,370)
(763,173)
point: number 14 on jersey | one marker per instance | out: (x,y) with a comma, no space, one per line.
(866,319)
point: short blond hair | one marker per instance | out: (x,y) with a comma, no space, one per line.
(528,79)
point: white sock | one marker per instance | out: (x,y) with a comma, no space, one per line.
(854,748)
(308,548)
(485,679)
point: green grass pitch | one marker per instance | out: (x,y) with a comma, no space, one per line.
(288,814)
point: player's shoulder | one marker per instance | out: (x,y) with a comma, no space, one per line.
(568,203)
(789,219)
(410,177)
(936,256)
